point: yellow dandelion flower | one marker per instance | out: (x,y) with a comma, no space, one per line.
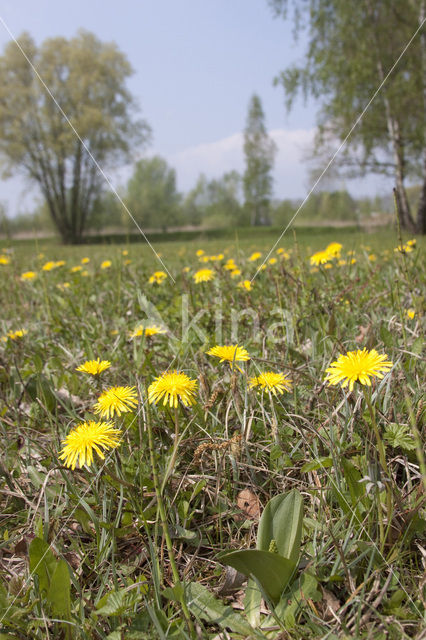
(235,273)
(148,331)
(127,262)
(186,269)
(229,353)
(76,269)
(15,335)
(410,313)
(280,251)
(357,366)
(341,262)
(272,261)
(48,266)
(124,252)
(203,275)
(205,258)
(85,260)
(320,257)
(246,284)
(63,285)
(200,253)
(328,266)
(255,256)
(28,275)
(334,249)
(106,264)
(157,277)
(94,367)
(116,400)
(372,257)
(85,273)
(411,243)
(172,386)
(4,260)
(270,381)
(85,438)
(230,265)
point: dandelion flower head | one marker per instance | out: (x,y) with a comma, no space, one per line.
(148,331)
(203,275)
(246,284)
(157,277)
(255,256)
(270,381)
(94,367)
(4,260)
(14,335)
(172,386)
(229,353)
(116,400)
(28,275)
(106,264)
(320,257)
(357,366)
(86,438)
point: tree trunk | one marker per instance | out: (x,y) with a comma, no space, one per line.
(392,124)
(421,211)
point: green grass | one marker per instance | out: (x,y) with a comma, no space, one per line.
(117,551)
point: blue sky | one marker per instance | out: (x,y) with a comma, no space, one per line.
(196,62)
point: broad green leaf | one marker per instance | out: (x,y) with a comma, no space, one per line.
(281,521)
(271,570)
(42,563)
(252,601)
(59,591)
(295,599)
(356,489)
(206,606)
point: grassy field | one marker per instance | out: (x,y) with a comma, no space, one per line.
(256,468)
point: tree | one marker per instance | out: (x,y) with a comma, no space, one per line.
(216,203)
(152,196)
(87,79)
(352,47)
(259,151)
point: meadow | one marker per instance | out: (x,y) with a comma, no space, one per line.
(176,460)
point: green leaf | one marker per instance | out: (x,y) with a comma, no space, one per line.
(398,435)
(281,521)
(204,605)
(252,601)
(59,593)
(271,570)
(293,600)
(356,489)
(319,463)
(42,563)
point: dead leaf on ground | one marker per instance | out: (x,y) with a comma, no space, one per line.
(249,504)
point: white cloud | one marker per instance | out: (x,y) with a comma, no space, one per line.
(216,158)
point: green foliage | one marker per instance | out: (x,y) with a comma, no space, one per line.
(87,78)
(280,524)
(399,436)
(351,49)
(54,581)
(259,151)
(152,197)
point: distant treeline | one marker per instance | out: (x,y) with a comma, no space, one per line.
(156,205)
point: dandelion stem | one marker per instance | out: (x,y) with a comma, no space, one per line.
(163,518)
